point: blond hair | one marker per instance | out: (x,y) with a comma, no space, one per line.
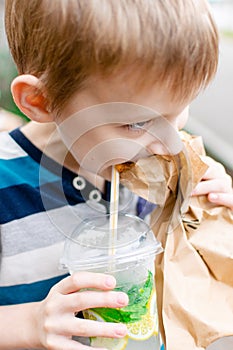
(63,42)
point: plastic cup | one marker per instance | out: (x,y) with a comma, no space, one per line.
(131,261)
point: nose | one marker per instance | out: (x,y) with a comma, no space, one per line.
(163,138)
(157,147)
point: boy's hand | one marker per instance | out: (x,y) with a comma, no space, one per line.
(56,321)
(216,184)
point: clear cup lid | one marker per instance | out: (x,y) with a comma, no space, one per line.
(94,244)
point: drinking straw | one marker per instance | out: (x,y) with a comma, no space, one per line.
(114,203)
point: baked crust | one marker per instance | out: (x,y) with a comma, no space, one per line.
(124,166)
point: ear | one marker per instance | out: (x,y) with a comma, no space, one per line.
(30,99)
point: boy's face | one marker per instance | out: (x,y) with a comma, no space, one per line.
(109,123)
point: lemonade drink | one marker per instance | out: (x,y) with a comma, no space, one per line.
(132,264)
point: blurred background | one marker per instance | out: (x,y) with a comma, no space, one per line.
(212,112)
(7,73)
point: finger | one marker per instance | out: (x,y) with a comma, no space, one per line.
(209,186)
(225,199)
(74,326)
(89,299)
(215,170)
(213,173)
(58,342)
(81,280)
(210,161)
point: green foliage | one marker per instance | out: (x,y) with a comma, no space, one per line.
(139,296)
(7,73)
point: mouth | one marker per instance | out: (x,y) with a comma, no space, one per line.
(124,166)
(120,166)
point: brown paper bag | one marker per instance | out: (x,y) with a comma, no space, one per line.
(194,275)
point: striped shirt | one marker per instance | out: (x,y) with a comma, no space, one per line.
(39,207)
(41,203)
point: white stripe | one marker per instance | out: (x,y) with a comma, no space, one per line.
(9,149)
(32,247)
(43,229)
(29,267)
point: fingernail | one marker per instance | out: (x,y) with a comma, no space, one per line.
(110,282)
(122,299)
(121,330)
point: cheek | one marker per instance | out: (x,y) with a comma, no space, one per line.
(183,118)
(96,157)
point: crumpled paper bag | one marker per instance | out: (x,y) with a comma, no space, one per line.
(194,275)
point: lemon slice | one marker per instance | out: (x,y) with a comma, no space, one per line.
(92,315)
(152,306)
(148,325)
(110,343)
(107,343)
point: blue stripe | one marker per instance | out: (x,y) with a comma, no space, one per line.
(144,207)
(24,170)
(26,293)
(50,196)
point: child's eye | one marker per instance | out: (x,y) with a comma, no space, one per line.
(137,126)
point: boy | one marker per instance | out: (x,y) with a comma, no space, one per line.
(95,77)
